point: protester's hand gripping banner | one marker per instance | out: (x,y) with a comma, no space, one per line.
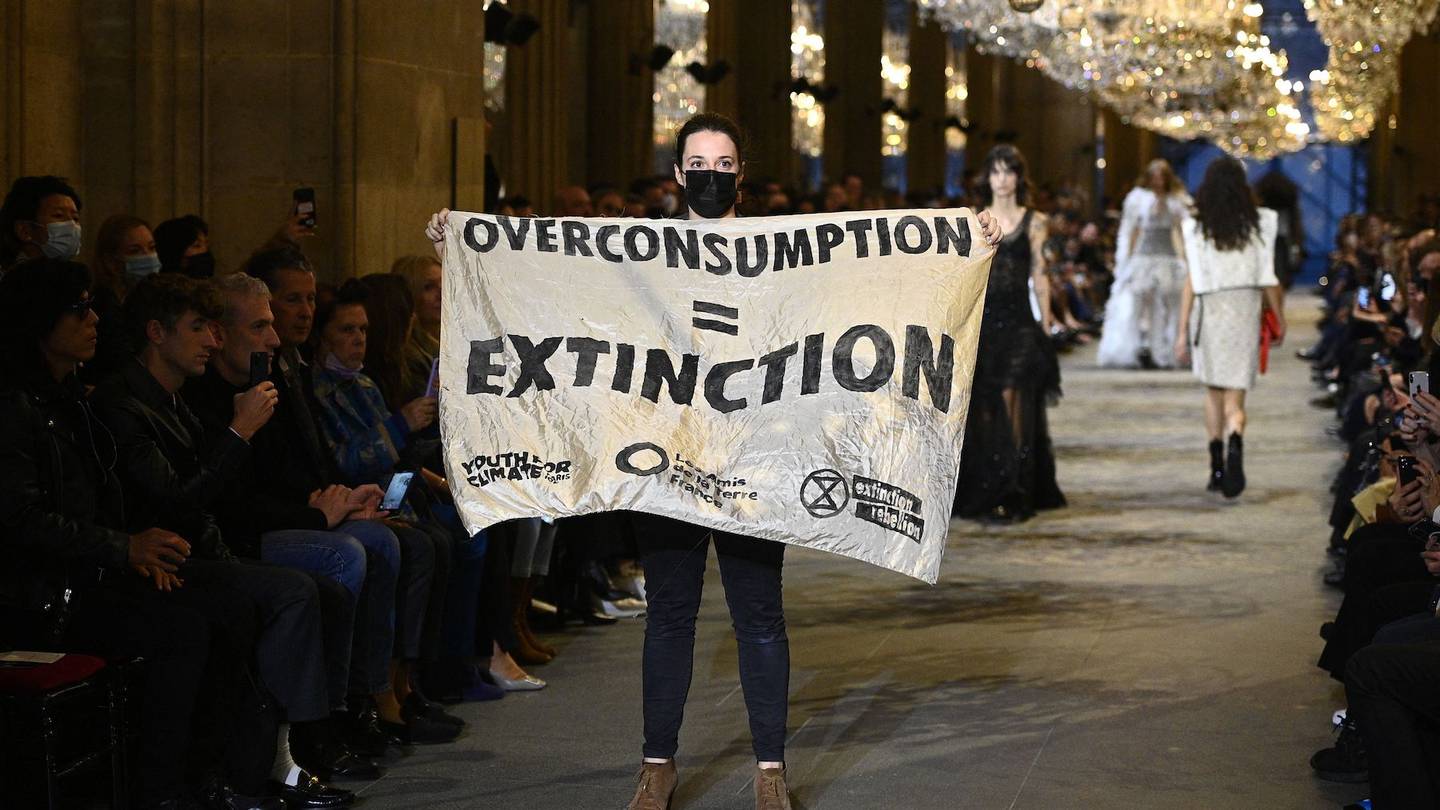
(803,379)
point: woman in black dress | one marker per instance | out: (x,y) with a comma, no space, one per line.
(1007,470)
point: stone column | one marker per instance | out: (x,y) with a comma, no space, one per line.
(754,37)
(852,63)
(537,77)
(722,41)
(925,154)
(981,110)
(1412,166)
(1127,149)
(621,85)
(44,120)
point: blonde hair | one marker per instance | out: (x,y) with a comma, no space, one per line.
(1172,183)
(412,269)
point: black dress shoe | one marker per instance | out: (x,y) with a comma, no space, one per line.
(338,762)
(418,730)
(312,793)
(417,705)
(363,735)
(220,796)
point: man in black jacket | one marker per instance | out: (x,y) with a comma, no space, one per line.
(172,479)
(288,508)
(74,579)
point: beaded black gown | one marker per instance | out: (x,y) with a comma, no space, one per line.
(1007,468)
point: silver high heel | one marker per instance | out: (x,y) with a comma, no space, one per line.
(529,683)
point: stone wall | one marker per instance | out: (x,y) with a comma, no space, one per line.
(166,107)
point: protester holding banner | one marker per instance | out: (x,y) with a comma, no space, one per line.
(1230,248)
(1007,471)
(710,163)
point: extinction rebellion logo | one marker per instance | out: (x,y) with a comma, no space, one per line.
(825,493)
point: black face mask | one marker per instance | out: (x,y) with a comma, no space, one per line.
(709,193)
(201,265)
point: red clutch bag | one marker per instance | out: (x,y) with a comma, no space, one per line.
(1269,331)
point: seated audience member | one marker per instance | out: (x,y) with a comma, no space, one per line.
(40,218)
(74,579)
(423,275)
(1392,693)
(323,532)
(173,476)
(609,202)
(573,201)
(297,478)
(183,245)
(124,255)
(367,445)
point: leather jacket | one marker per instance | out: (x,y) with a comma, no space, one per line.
(171,474)
(61,507)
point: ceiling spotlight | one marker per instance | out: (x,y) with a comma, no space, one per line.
(1026,6)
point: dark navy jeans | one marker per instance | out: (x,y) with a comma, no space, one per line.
(673,554)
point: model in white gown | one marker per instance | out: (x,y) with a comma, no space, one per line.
(1143,314)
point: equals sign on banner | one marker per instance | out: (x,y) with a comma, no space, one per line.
(718,310)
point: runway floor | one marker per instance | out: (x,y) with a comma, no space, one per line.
(1151,646)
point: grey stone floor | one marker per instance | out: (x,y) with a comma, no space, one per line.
(1151,646)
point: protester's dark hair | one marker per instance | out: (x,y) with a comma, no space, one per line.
(267,264)
(34,295)
(1225,205)
(390,308)
(1007,156)
(328,302)
(175,236)
(711,122)
(22,204)
(166,297)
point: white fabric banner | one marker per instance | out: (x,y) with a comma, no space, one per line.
(803,379)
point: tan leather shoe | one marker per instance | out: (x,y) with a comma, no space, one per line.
(657,783)
(770,792)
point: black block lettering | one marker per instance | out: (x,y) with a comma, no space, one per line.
(844,358)
(939,371)
(479,370)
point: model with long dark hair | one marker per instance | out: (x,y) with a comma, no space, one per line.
(1229,247)
(1007,470)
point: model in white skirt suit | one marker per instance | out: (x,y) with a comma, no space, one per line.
(1226,292)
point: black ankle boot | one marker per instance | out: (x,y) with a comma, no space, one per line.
(1217,465)
(1234,481)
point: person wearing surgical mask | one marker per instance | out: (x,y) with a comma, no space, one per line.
(40,218)
(124,255)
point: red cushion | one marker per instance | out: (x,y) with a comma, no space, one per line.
(37,680)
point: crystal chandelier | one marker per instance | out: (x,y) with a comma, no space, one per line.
(1183,68)
(807,62)
(680,25)
(1365,41)
(895,86)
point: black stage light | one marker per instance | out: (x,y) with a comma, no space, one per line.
(521,29)
(497,17)
(660,56)
(707,74)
